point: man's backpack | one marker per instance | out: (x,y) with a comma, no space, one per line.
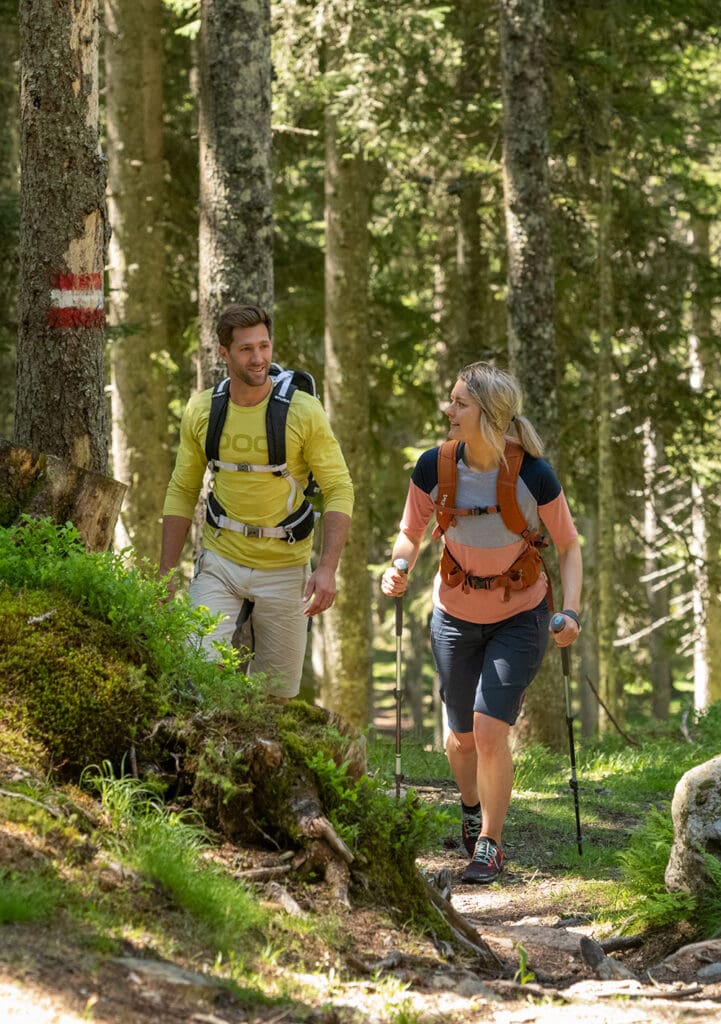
(526,569)
(297,524)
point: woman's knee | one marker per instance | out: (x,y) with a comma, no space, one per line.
(490,735)
(460,742)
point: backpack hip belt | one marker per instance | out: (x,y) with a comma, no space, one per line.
(521,575)
(295,527)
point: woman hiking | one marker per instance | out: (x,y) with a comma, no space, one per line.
(490,491)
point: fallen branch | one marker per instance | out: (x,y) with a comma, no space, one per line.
(622,942)
(30,800)
(263,874)
(462,929)
(503,985)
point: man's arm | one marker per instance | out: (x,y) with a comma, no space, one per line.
(175,532)
(321,590)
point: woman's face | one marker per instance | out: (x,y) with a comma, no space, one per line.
(463,414)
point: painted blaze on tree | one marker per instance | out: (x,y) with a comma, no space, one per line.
(63,235)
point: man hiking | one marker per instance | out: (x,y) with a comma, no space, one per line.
(257,537)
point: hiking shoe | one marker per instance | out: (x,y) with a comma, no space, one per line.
(486,863)
(470,827)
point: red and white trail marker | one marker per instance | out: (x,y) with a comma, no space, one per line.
(76,300)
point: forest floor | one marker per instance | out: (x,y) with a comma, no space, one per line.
(532,922)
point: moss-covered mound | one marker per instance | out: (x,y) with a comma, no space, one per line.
(68,684)
(96,663)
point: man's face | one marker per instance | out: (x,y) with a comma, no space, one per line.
(249,355)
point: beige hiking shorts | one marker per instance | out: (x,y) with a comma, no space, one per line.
(279,627)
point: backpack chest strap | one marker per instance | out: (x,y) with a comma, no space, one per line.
(248,467)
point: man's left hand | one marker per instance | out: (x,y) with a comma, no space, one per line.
(320,592)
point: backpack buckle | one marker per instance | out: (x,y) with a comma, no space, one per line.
(249,530)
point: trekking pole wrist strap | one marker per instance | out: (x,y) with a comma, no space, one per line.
(572,615)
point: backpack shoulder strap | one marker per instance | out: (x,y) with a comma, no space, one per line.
(275,420)
(216,420)
(507,489)
(447,474)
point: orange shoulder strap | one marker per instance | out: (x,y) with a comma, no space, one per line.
(447,472)
(507,489)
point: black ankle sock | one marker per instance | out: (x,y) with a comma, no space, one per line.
(470,810)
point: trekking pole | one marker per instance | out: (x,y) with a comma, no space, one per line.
(402,566)
(557,624)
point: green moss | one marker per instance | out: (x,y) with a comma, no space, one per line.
(67,683)
(16,747)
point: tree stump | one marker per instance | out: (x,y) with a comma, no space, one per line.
(39,485)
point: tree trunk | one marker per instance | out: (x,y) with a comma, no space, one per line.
(137,306)
(705,543)
(472,337)
(346,626)
(60,391)
(236,229)
(531,334)
(9,201)
(532,345)
(656,595)
(470,311)
(605,559)
(36,484)
(588,641)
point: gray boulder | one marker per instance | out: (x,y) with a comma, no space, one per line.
(696,813)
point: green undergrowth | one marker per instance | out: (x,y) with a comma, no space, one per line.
(167,847)
(28,896)
(373,826)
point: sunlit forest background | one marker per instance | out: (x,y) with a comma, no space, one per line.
(390,264)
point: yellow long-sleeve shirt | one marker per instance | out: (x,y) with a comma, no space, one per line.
(258,498)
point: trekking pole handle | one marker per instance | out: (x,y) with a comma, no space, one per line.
(402,566)
(557,624)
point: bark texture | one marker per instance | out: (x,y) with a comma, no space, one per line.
(346,626)
(9,201)
(531,334)
(474,336)
(137,299)
(60,392)
(36,484)
(236,229)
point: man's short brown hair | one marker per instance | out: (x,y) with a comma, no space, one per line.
(240,316)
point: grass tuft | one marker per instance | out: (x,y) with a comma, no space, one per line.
(27,897)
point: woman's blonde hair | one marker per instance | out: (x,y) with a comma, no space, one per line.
(498,395)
